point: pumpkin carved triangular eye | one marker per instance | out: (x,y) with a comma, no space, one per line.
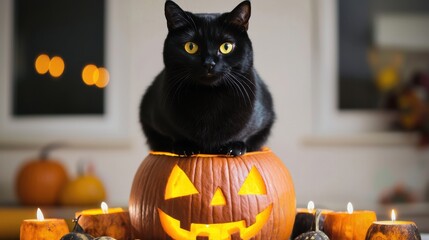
(218,198)
(179,185)
(254,184)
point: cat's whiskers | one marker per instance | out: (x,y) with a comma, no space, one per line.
(177,84)
(245,90)
(242,89)
(176,89)
(244,77)
(250,84)
(232,85)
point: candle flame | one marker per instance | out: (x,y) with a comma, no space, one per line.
(350,208)
(40,216)
(104,207)
(310,206)
(393,215)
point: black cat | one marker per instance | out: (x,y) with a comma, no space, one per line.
(208,98)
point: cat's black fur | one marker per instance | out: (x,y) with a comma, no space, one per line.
(207,102)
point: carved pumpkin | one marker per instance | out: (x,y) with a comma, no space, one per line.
(219,197)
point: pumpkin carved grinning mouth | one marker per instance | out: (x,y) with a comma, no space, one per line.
(215,231)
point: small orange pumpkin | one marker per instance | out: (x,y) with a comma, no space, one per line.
(398,230)
(219,197)
(43,230)
(40,181)
(116,224)
(346,226)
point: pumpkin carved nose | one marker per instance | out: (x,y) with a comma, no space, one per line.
(218,198)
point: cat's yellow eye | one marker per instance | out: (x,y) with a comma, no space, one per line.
(191,47)
(226,47)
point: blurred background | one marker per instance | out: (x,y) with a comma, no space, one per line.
(350,83)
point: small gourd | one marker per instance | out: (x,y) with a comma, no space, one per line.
(77,233)
(85,190)
(314,235)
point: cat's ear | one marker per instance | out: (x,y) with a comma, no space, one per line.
(175,16)
(240,15)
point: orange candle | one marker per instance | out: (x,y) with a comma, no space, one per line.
(105,221)
(399,230)
(43,229)
(350,225)
(305,220)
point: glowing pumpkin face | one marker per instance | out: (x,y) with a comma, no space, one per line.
(179,185)
(244,197)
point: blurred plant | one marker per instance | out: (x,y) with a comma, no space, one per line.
(410,100)
(398,194)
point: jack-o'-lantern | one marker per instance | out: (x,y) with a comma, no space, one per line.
(217,197)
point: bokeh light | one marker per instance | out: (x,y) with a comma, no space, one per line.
(90,74)
(42,64)
(56,66)
(103,78)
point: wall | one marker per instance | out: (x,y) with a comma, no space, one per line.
(282,34)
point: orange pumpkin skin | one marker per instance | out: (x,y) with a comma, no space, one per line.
(345,226)
(39,182)
(116,225)
(399,231)
(208,174)
(43,230)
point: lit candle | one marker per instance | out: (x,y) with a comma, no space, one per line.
(399,230)
(105,221)
(350,225)
(305,220)
(41,228)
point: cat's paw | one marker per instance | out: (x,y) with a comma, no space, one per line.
(233,149)
(184,150)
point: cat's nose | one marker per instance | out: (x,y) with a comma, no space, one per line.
(209,64)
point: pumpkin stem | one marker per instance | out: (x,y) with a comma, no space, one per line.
(77,227)
(318,213)
(44,152)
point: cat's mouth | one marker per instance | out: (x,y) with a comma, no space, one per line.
(209,79)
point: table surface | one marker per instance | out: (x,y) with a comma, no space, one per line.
(10,228)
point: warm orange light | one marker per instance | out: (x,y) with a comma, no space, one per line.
(393,215)
(179,184)
(218,198)
(39,214)
(90,74)
(254,184)
(42,64)
(56,66)
(103,78)
(350,208)
(214,230)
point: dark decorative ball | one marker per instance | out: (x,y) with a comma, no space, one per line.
(313,235)
(76,236)
(77,233)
